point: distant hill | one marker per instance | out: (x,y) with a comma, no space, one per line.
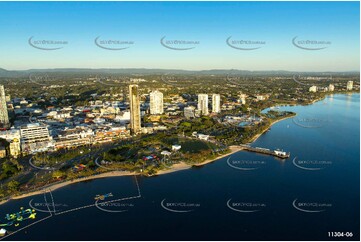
(6,73)
(142,71)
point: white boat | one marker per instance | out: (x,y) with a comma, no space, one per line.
(2,232)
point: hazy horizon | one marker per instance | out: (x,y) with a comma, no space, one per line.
(178,69)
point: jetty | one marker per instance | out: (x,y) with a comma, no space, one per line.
(277,153)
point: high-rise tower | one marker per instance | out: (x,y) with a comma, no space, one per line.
(216,103)
(203,103)
(134,101)
(4,117)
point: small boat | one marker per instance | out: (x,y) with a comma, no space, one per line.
(2,232)
(102,197)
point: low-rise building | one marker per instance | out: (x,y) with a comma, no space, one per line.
(189,112)
(72,138)
(228,106)
(14,148)
(331,88)
(203,136)
(2,152)
(176,147)
(312,89)
(35,138)
(261,97)
(108,134)
(12,136)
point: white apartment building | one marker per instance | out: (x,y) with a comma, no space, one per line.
(216,103)
(203,103)
(349,85)
(156,102)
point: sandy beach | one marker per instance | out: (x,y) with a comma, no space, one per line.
(176,167)
(233,148)
(66,183)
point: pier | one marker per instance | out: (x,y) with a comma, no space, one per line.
(277,153)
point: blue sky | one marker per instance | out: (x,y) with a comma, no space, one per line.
(209,23)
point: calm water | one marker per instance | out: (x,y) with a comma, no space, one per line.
(324,136)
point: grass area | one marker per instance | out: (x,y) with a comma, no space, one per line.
(193,146)
(53,158)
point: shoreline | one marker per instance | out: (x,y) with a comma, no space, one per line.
(66,183)
(233,148)
(174,168)
(263,131)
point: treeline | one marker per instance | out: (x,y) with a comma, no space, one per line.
(9,168)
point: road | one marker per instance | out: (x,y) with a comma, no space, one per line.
(30,171)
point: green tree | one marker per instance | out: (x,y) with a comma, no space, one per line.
(13,186)
(57,174)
